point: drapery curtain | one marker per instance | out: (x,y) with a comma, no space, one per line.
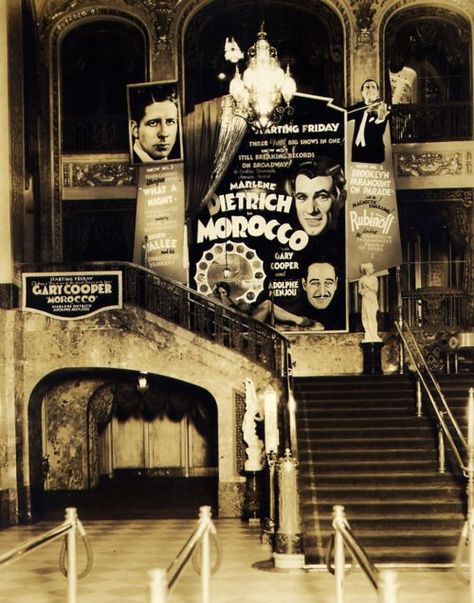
(212,135)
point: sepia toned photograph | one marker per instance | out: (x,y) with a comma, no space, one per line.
(155,128)
(237,301)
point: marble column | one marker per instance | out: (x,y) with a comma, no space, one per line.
(6,251)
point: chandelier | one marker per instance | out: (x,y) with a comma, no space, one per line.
(262,94)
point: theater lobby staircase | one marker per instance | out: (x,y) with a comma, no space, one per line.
(362,445)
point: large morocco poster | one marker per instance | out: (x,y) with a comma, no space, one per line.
(273,235)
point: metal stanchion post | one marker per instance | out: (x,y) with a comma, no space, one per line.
(158,586)
(269,523)
(339,558)
(71,516)
(401,359)
(205,516)
(387,587)
(441,450)
(419,398)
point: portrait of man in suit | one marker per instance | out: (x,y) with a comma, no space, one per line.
(370,121)
(154,123)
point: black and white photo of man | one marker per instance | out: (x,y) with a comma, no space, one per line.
(318,190)
(154,123)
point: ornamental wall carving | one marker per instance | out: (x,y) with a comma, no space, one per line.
(431,164)
(81,174)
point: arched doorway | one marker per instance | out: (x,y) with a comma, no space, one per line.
(114,451)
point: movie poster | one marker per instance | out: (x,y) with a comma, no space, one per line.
(156,147)
(159,230)
(272,239)
(372,225)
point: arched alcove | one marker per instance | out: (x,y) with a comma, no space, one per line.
(98,443)
(308,37)
(427,54)
(98,59)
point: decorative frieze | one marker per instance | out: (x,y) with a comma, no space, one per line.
(85,174)
(433,165)
(429,164)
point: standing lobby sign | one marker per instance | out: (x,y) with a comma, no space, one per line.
(71,295)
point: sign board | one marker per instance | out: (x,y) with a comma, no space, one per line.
(71,295)
(159,225)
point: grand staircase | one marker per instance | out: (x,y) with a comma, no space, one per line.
(361,445)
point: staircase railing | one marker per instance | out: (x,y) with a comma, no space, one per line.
(448,427)
(463,453)
(187,308)
(342,536)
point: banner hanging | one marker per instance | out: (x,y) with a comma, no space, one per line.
(159,231)
(372,226)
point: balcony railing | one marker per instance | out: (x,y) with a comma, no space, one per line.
(436,307)
(187,308)
(431,123)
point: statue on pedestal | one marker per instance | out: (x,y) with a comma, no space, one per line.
(253,412)
(368,288)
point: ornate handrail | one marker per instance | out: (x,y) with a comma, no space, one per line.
(430,123)
(444,416)
(187,308)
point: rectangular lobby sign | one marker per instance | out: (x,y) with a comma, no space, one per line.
(71,295)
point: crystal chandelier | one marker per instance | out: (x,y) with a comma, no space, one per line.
(259,93)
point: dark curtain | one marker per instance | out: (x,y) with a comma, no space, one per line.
(212,135)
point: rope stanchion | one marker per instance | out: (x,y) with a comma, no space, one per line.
(71,515)
(68,554)
(387,587)
(196,558)
(64,553)
(158,586)
(341,537)
(197,549)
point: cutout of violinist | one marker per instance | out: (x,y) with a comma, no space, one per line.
(370,121)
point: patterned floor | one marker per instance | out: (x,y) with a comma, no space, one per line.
(124,551)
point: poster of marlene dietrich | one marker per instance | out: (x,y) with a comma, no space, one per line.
(273,235)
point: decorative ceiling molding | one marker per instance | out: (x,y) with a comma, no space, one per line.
(155,15)
(364,13)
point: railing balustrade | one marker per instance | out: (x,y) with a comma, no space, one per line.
(69,529)
(384,582)
(449,431)
(433,307)
(448,427)
(187,308)
(431,123)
